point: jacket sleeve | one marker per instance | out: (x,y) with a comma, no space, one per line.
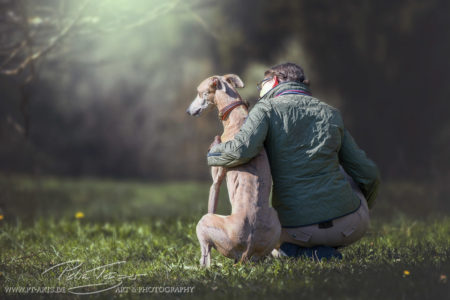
(247,143)
(363,170)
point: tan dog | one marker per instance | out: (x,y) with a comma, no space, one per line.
(253,229)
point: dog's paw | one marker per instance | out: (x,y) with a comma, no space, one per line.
(216,141)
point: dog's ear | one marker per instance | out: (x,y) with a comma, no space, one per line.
(234,80)
(216,83)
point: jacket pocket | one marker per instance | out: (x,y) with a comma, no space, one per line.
(299,235)
(353,221)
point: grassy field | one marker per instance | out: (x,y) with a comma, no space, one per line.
(141,238)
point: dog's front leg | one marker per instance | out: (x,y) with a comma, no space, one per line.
(218,174)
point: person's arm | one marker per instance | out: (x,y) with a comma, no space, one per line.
(363,170)
(247,143)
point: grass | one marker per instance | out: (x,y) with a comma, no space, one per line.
(150,230)
(101,200)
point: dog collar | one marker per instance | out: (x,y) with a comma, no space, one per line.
(224,112)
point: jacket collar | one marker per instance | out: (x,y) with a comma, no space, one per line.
(284,86)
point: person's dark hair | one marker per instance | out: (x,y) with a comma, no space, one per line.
(287,72)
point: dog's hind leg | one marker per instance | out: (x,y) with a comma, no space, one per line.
(205,241)
(211,232)
(205,260)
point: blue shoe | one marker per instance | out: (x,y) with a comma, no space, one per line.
(288,249)
(319,252)
(316,253)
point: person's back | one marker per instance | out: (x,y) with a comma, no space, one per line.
(303,143)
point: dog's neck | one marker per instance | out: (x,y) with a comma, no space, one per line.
(236,117)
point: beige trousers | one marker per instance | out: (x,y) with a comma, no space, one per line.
(345,230)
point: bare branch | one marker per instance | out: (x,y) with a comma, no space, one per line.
(202,22)
(156,12)
(13,54)
(54,41)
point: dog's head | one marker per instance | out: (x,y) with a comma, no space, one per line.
(210,88)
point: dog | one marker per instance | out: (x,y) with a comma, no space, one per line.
(253,229)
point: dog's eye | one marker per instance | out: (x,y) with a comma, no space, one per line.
(205,94)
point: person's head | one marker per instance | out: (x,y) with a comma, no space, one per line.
(281,73)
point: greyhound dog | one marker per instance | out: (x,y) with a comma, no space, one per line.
(252,230)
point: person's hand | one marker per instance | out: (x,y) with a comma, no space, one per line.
(216,141)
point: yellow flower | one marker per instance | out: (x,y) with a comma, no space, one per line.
(406,273)
(1,217)
(79,215)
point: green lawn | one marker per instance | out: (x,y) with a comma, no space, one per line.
(149,230)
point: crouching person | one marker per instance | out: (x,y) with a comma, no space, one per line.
(323,183)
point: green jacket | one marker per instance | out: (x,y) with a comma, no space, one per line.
(305,140)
